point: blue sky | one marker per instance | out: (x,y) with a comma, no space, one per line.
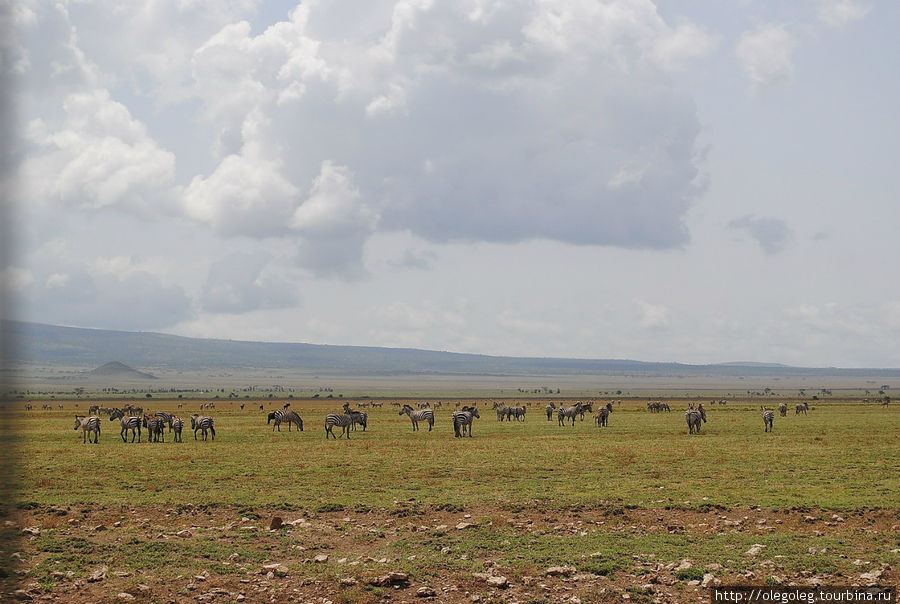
(673,181)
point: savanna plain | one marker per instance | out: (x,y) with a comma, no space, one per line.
(523,511)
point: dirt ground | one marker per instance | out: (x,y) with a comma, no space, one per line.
(333,556)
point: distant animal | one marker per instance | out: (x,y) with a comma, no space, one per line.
(337,419)
(550,409)
(602,415)
(177,427)
(462,420)
(694,418)
(564,413)
(203,423)
(768,418)
(782,409)
(426,415)
(801,408)
(128,422)
(89,425)
(288,417)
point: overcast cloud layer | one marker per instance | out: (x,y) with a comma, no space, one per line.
(699,183)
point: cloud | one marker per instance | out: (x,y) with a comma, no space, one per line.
(240,283)
(652,316)
(838,13)
(772,234)
(765,54)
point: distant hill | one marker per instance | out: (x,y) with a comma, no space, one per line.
(76,348)
(120,370)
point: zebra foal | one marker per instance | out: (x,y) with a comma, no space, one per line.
(88,425)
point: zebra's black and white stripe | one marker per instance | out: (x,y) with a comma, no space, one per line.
(360,418)
(177,426)
(782,409)
(422,415)
(128,422)
(155,428)
(568,412)
(462,421)
(203,423)
(694,417)
(801,408)
(602,416)
(768,418)
(550,409)
(166,417)
(337,419)
(289,417)
(88,425)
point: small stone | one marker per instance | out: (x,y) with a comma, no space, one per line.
(31,530)
(464,525)
(275,523)
(685,564)
(321,559)
(426,592)
(98,575)
(755,549)
(559,571)
(235,557)
(184,534)
(124,596)
(348,581)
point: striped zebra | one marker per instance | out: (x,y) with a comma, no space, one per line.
(426,415)
(694,417)
(166,417)
(768,418)
(356,417)
(289,417)
(801,408)
(782,409)
(462,421)
(203,423)
(128,422)
(550,409)
(155,428)
(586,408)
(177,426)
(602,415)
(518,412)
(93,409)
(568,412)
(337,419)
(88,425)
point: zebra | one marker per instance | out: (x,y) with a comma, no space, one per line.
(768,418)
(202,423)
(550,409)
(586,408)
(88,425)
(801,408)
(289,417)
(416,416)
(694,417)
(602,415)
(337,419)
(356,417)
(93,409)
(176,426)
(166,417)
(128,422)
(155,426)
(782,409)
(462,421)
(568,412)
(517,412)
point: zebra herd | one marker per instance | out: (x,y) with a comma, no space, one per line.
(154,424)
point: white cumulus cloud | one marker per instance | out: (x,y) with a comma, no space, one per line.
(766,54)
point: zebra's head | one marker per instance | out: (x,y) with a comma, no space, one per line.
(78,420)
(474,411)
(116,414)
(609,406)
(405,409)
(271,417)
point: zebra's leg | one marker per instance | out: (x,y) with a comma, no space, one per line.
(213,430)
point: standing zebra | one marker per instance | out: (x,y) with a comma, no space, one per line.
(550,409)
(586,408)
(177,426)
(356,417)
(694,417)
(801,408)
(768,418)
(462,421)
(602,416)
(202,423)
(782,409)
(88,425)
(337,419)
(289,417)
(417,416)
(568,412)
(128,422)
(155,428)
(166,417)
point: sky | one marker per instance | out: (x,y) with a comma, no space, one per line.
(696,181)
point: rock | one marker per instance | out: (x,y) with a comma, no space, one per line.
(426,592)
(184,534)
(871,577)
(98,575)
(392,578)
(124,596)
(755,549)
(321,559)
(235,557)
(464,525)
(275,523)
(31,530)
(98,528)
(559,571)
(497,581)
(348,581)
(709,579)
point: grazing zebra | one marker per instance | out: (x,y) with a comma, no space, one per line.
(128,422)
(782,409)
(768,418)
(550,409)
(417,416)
(356,417)
(88,425)
(602,416)
(801,408)
(462,421)
(694,417)
(93,409)
(155,426)
(289,417)
(202,423)
(166,417)
(177,426)
(337,419)
(568,412)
